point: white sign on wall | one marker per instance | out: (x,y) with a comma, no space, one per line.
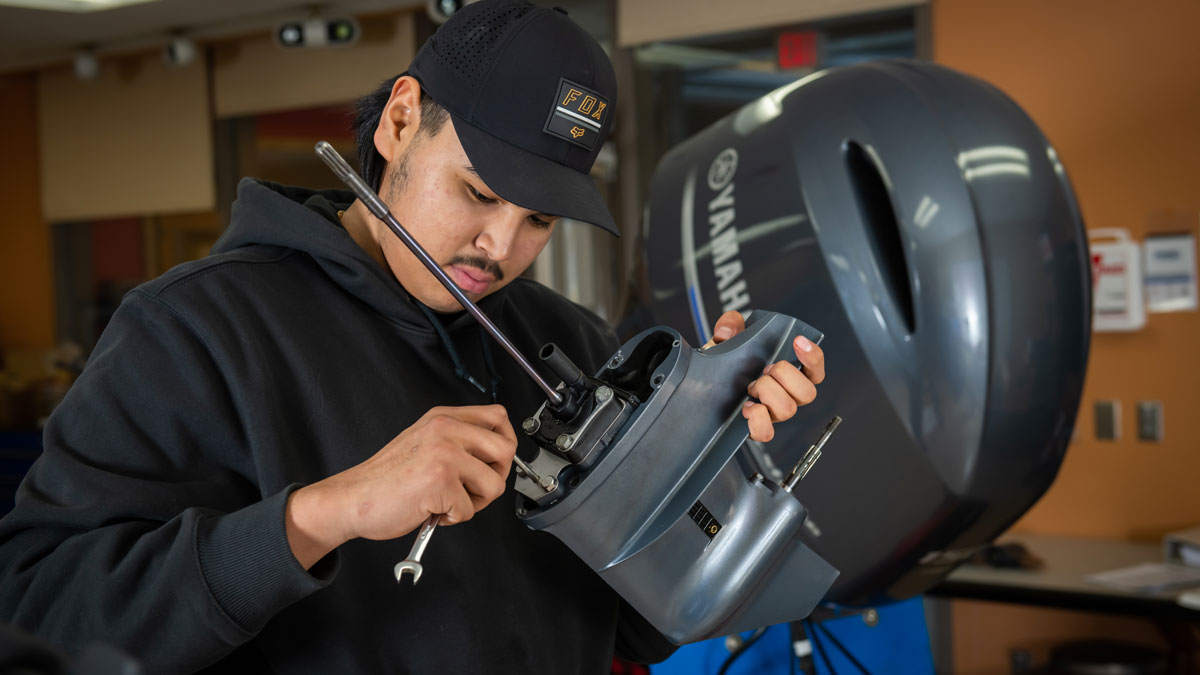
(1170,273)
(1116,281)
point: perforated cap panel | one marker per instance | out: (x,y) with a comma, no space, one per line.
(465,48)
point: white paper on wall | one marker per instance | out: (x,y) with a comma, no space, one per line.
(1170,273)
(1117,301)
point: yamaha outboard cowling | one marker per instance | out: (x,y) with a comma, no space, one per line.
(920,218)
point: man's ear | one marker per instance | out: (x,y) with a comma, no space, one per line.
(400,119)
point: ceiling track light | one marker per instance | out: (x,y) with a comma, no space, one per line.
(87,66)
(317,32)
(179,51)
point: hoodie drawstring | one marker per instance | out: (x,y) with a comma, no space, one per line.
(459,370)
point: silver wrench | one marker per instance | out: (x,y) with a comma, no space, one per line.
(412,563)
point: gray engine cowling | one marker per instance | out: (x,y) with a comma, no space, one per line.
(921,219)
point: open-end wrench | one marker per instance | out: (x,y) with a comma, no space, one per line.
(412,563)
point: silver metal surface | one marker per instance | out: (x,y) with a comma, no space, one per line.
(531,425)
(377,207)
(811,455)
(547,483)
(545,464)
(412,564)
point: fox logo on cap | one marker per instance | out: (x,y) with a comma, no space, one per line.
(577,115)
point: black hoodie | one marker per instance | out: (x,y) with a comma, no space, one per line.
(154,520)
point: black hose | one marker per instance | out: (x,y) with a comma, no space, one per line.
(819,649)
(842,648)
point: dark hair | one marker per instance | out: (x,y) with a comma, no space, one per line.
(367,112)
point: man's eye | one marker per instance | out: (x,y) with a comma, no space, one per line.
(539,222)
(480,196)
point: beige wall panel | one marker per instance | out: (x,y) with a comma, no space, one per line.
(137,140)
(255,75)
(642,21)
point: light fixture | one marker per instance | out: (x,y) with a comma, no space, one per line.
(179,51)
(70,5)
(317,32)
(87,66)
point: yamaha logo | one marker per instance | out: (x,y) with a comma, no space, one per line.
(723,233)
(722,169)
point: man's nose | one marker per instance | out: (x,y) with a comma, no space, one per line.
(499,237)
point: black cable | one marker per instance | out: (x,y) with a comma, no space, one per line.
(819,649)
(792,658)
(842,648)
(749,642)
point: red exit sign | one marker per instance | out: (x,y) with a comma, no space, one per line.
(797,49)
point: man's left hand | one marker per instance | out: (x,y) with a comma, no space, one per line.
(782,388)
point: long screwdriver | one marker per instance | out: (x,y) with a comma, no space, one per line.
(376,206)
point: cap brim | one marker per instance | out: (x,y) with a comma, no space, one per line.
(531,181)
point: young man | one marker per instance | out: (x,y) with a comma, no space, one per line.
(228,483)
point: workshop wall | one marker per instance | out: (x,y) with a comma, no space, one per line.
(641,22)
(254,75)
(1114,87)
(26,278)
(136,140)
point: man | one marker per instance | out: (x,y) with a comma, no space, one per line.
(228,483)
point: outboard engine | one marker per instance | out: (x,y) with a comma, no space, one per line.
(920,219)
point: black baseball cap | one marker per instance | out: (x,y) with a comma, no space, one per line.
(531,96)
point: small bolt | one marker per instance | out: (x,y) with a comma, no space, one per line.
(604,394)
(756,479)
(521,511)
(564,442)
(549,483)
(531,425)
(871,617)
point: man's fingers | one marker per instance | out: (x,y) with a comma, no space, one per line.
(798,387)
(481,482)
(731,323)
(759,420)
(490,446)
(812,357)
(492,417)
(772,394)
(457,506)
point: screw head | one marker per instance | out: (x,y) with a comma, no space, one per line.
(604,394)
(531,425)
(871,617)
(521,511)
(564,442)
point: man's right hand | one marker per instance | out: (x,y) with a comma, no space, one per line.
(452,461)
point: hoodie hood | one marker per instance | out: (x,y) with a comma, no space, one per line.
(305,220)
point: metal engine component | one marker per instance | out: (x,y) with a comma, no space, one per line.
(658,492)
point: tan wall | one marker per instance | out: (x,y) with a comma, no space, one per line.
(26,281)
(255,75)
(642,21)
(137,140)
(1115,85)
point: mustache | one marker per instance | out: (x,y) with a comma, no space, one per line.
(488,266)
